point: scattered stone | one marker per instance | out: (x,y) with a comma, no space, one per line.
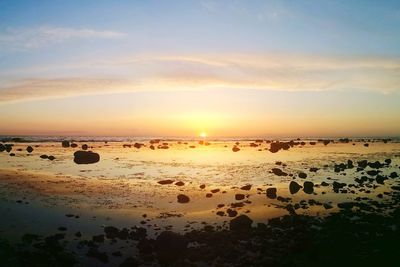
(294,187)
(308,187)
(278,172)
(86,157)
(183,198)
(239,196)
(29,149)
(271,192)
(302,175)
(168,181)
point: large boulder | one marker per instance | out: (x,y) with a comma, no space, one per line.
(86,157)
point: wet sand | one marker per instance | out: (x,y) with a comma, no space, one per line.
(197,204)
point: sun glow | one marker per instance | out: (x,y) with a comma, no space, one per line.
(203,134)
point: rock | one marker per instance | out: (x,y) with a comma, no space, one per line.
(180,183)
(246,187)
(327,206)
(163,182)
(12,154)
(313,169)
(231,212)
(65,144)
(308,187)
(51,158)
(302,175)
(29,149)
(202,186)
(337,186)
(278,172)
(294,187)
(235,149)
(393,175)
(84,147)
(86,157)
(239,196)
(169,246)
(44,156)
(208,195)
(324,183)
(2,148)
(271,192)
(183,198)
(215,190)
(74,145)
(240,223)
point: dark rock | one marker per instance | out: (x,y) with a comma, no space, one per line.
(235,149)
(294,187)
(29,149)
(86,157)
(302,175)
(51,158)
(240,223)
(246,187)
(308,187)
(183,198)
(179,183)
(44,156)
(84,147)
(278,172)
(65,144)
(271,192)
(239,196)
(163,182)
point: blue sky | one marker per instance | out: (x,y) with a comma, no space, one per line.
(59,51)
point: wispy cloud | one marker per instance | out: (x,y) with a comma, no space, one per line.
(198,72)
(28,38)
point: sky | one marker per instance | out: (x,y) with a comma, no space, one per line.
(180,68)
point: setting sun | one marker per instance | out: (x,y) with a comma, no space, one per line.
(203,134)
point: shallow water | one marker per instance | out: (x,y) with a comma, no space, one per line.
(123,190)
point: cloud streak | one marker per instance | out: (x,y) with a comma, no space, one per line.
(199,72)
(37,37)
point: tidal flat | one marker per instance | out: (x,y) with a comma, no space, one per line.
(199,202)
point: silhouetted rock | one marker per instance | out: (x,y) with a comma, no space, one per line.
(65,144)
(278,172)
(271,192)
(183,198)
(29,149)
(168,181)
(44,156)
(235,149)
(302,175)
(294,187)
(246,187)
(240,223)
(180,183)
(51,158)
(86,157)
(84,147)
(239,196)
(308,187)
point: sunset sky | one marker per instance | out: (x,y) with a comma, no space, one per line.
(179,68)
